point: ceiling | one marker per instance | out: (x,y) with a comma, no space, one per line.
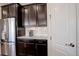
(1,4)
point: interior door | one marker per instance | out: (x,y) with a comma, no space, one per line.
(77,29)
(62,24)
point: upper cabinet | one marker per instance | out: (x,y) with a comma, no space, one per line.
(34,15)
(10,10)
(13,10)
(4,12)
(29,15)
(42,14)
(25,16)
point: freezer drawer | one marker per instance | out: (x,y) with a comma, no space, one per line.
(4,49)
(11,49)
(8,49)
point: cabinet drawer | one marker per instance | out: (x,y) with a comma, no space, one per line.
(41,41)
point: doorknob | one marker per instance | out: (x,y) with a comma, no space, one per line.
(71,44)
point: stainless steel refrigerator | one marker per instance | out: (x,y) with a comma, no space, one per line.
(8,41)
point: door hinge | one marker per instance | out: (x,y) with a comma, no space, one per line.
(50,37)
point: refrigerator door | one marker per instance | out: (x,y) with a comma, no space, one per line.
(11,29)
(9,36)
(11,49)
(4,45)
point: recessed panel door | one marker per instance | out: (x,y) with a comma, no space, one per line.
(62,20)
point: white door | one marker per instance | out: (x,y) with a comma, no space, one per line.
(62,29)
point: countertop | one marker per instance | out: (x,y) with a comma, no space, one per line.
(33,37)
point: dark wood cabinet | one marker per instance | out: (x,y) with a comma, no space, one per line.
(29,15)
(32,15)
(4,12)
(41,15)
(25,48)
(9,11)
(25,16)
(19,16)
(41,48)
(13,10)
(31,47)
(20,50)
(35,15)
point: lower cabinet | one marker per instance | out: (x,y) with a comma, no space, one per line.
(41,50)
(25,48)
(20,50)
(31,48)
(41,47)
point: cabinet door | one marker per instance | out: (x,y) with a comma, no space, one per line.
(20,49)
(41,49)
(30,49)
(25,16)
(19,16)
(12,10)
(42,14)
(32,15)
(4,11)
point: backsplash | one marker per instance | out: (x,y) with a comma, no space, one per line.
(37,31)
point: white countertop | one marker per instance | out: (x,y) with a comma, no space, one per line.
(33,37)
